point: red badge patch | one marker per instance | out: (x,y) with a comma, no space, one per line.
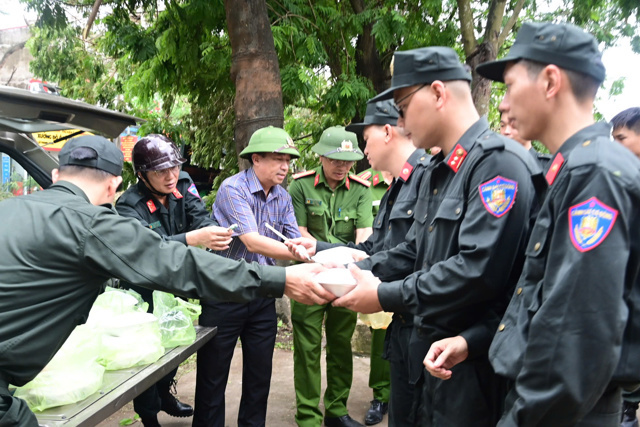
(177,194)
(151,206)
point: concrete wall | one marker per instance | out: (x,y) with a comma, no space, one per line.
(15,71)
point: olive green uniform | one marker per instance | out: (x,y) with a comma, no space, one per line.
(379,374)
(56,263)
(331,216)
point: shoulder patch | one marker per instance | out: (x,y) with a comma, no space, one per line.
(303,174)
(365,174)
(193,190)
(359,180)
(498,195)
(589,223)
(406,171)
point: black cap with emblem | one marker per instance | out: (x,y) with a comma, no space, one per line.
(564,45)
(424,65)
(378,113)
(103,154)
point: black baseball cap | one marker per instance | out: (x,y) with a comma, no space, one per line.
(378,113)
(424,65)
(107,156)
(564,45)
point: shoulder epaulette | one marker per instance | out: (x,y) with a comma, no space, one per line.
(488,143)
(359,180)
(303,174)
(365,174)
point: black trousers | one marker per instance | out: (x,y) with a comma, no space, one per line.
(255,323)
(474,396)
(401,398)
(13,411)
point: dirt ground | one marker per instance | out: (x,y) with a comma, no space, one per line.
(282,403)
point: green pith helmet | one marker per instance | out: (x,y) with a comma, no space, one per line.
(337,143)
(270,140)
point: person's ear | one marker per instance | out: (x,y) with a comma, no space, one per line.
(112,185)
(553,80)
(388,135)
(55,175)
(439,90)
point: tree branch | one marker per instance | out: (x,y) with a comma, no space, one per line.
(16,47)
(494,21)
(511,22)
(92,18)
(469,41)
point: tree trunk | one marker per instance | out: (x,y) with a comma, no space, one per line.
(254,70)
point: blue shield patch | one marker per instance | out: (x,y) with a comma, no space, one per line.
(589,223)
(193,190)
(498,195)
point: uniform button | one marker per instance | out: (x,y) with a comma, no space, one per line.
(501,327)
(389,228)
(379,222)
(333,195)
(422,158)
(409,212)
(584,144)
(536,246)
(458,211)
(519,291)
(430,228)
(435,191)
(346,218)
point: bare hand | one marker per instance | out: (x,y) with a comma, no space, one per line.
(212,237)
(444,355)
(358,255)
(301,285)
(364,298)
(302,248)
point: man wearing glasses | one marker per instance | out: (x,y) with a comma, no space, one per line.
(166,201)
(331,206)
(465,250)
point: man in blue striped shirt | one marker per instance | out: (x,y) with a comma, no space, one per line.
(250,199)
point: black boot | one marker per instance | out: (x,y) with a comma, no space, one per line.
(173,406)
(376,412)
(150,421)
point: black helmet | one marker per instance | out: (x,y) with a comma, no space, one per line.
(155,152)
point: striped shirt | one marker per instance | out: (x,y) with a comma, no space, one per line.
(241,200)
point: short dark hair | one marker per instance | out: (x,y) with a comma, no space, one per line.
(250,158)
(583,86)
(85,153)
(629,118)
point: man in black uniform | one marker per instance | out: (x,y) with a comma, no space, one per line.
(388,148)
(166,201)
(465,250)
(61,245)
(569,338)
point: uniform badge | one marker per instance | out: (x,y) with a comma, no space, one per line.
(498,195)
(589,223)
(177,194)
(346,145)
(151,206)
(193,190)
(155,225)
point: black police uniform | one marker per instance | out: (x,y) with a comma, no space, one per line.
(186,212)
(569,338)
(465,250)
(393,221)
(58,252)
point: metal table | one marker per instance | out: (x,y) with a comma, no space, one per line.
(120,387)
